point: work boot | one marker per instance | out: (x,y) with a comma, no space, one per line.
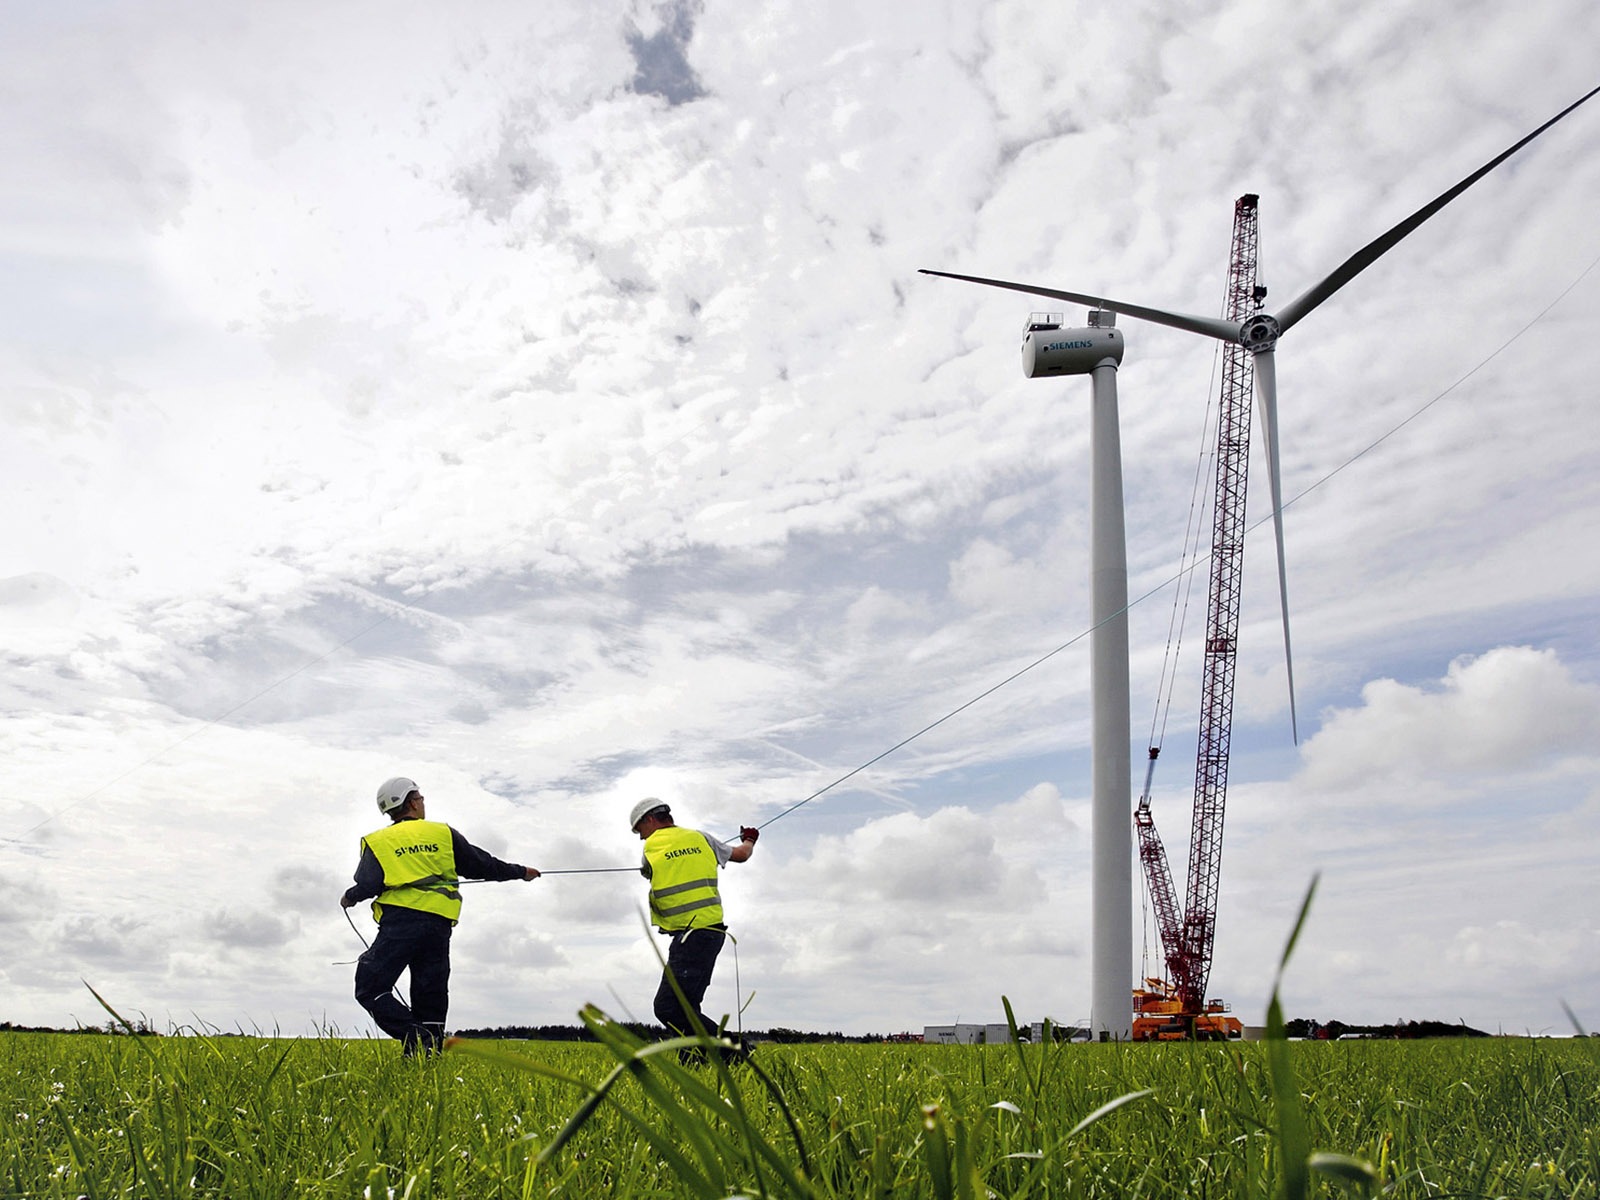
(421,1043)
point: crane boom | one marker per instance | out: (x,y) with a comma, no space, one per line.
(1187,940)
(1158,875)
(1222,617)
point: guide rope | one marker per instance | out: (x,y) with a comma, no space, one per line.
(1178,619)
(1182,572)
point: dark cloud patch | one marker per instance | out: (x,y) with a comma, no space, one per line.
(304,889)
(469,712)
(267,659)
(249,929)
(522,950)
(661,60)
(22,896)
(110,941)
(496,185)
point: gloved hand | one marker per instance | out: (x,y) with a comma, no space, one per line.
(749,834)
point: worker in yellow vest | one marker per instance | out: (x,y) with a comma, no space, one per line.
(410,871)
(682,866)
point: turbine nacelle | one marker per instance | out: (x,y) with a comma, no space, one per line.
(1048,349)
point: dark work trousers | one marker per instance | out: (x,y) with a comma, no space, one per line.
(690,960)
(408,939)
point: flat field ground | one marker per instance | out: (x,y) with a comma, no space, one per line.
(199,1116)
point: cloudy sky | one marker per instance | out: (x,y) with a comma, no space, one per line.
(544,403)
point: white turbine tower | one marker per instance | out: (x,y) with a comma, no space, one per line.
(1096,351)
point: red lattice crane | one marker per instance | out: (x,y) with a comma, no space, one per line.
(1177,1007)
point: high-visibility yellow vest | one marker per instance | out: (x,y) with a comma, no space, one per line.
(419,868)
(683,879)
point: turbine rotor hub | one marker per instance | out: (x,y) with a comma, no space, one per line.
(1259,333)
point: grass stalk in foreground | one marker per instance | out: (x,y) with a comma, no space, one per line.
(1294,1141)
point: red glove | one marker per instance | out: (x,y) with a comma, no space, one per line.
(749,834)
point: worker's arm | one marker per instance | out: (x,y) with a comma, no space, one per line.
(473,863)
(369,880)
(746,846)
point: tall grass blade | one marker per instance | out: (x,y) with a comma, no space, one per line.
(1577,1025)
(1346,1169)
(1294,1143)
(936,1152)
(1105,1110)
(1035,1080)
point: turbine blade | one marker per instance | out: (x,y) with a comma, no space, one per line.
(1358,262)
(1266,374)
(1226,331)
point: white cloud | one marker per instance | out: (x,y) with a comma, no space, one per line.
(1511,708)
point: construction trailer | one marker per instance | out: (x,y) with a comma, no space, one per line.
(952,1035)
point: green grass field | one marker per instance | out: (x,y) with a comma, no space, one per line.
(101,1116)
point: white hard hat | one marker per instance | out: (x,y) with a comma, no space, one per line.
(394,791)
(644,808)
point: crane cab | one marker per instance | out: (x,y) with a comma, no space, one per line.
(1159,1016)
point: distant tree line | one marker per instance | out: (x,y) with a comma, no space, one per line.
(141,1027)
(651,1033)
(557,1033)
(532,1033)
(1300,1027)
(1331,1030)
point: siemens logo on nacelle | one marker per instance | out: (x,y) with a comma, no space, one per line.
(1048,349)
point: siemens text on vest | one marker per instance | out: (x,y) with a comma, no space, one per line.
(684,850)
(428,847)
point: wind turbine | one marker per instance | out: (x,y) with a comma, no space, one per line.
(1096,351)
